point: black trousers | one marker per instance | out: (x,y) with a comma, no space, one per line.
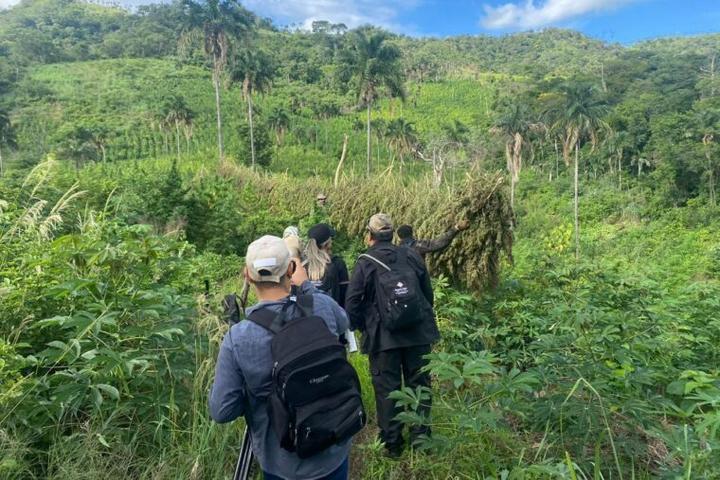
(389,369)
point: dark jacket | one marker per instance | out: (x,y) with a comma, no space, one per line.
(423,246)
(335,280)
(360,303)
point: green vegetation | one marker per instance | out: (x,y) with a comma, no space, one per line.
(580,325)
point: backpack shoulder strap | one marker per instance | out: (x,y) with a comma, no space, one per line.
(376,261)
(305,303)
(266,318)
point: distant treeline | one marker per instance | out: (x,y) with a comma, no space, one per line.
(657,119)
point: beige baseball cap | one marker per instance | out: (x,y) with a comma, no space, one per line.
(380,222)
(267,259)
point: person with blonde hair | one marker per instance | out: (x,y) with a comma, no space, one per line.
(291,237)
(326,271)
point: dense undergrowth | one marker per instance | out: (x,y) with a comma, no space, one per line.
(602,368)
(115,253)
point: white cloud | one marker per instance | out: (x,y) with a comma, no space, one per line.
(350,12)
(125,3)
(353,13)
(533,14)
(8,3)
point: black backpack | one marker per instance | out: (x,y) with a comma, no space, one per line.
(399,301)
(232,313)
(315,399)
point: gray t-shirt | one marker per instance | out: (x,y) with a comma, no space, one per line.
(243,382)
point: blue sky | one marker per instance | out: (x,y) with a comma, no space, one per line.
(624,21)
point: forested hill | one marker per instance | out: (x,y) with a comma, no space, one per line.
(69,86)
(49,31)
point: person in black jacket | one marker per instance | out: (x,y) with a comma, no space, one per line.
(396,355)
(327,272)
(425,246)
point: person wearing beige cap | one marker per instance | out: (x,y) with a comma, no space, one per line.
(390,300)
(244,379)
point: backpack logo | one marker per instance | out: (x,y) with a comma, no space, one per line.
(317,380)
(400,289)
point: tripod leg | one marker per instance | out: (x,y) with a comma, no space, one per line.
(242,468)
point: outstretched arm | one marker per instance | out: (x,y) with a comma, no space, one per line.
(441,242)
(438,243)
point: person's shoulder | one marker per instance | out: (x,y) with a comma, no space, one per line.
(325,307)
(414,257)
(338,260)
(322,299)
(246,331)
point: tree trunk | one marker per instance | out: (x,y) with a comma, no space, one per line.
(438,167)
(177,138)
(342,160)
(102,150)
(557,161)
(577,211)
(377,145)
(620,172)
(512,192)
(216,84)
(369,148)
(510,168)
(1,163)
(602,77)
(252,133)
(711,178)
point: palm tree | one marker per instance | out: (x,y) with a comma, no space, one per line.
(457,132)
(254,71)
(578,114)
(176,113)
(7,136)
(616,145)
(279,120)
(515,129)
(219,20)
(373,66)
(402,137)
(99,137)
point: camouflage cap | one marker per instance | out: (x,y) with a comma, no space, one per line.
(380,222)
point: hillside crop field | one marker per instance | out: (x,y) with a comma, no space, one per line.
(579,313)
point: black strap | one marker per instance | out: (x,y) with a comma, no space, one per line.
(274,321)
(305,303)
(266,318)
(376,261)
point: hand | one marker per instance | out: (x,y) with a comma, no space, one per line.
(463,224)
(300,275)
